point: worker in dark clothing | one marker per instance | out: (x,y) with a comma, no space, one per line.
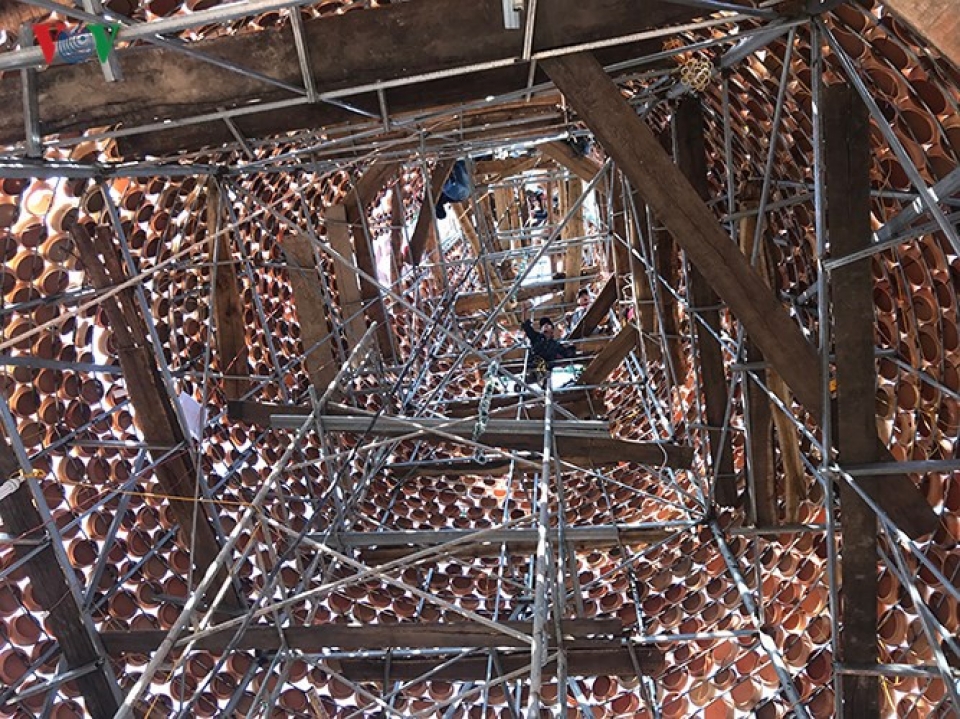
(544,349)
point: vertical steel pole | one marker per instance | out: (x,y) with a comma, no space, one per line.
(539,649)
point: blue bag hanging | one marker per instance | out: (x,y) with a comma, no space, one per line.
(457,188)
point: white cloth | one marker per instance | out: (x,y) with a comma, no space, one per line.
(194,414)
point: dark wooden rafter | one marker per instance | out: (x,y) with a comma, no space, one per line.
(355,205)
(598,310)
(469,302)
(643,289)
(80,645)
(794,480)
(156,418)
(378,547)
(314,639)
(610,357)
(311,310)
(398,221)
(570,191)
(592,662)
(162,83)
(584,167)
(759,414)
(622,233)
(575,401)
(230,336)
(632,229)
(666,263)
(506,215)
(424,238)
(488,273)
(592,448)
(496,170)
(348,288)
(691,157)
(847,175)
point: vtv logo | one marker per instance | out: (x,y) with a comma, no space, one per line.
(56,41)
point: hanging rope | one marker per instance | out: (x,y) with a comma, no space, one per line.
(483,411)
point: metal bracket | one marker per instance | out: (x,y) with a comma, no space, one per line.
(511,14)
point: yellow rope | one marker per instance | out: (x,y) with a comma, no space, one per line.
(156,495)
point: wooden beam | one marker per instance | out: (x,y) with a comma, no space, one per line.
(597,311)
(759,416)
(155,416)
(581,441)
(937,21)
(495,170)
(80,645)
(489,273)
(572,232)
(315,638)
(642,291)
(366,189)
(423,232)
(691,157)
(576,400)
(666,264)
(397,545)
(311,310)
(410,39)
(356,202)
(847,174)
(470,302)
(635,149)
(348,288)
(615,661)
(231,334)
(506,217)
(623,233)
(586,168)
(610,357)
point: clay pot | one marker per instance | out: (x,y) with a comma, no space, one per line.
(13,665)
(38,198)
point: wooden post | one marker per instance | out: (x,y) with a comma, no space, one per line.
(762,475)
(351,302)
(155,414)
(355,205)
(420,241)
(311,310)
(610,357)
(570,191)
(80,647)
(847,164)
(231,338)
(691,157)
(665,261)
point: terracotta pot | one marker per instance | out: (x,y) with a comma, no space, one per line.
(13,665)
(24,630)
(38,198)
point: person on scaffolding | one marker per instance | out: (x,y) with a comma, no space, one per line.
(544,349)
